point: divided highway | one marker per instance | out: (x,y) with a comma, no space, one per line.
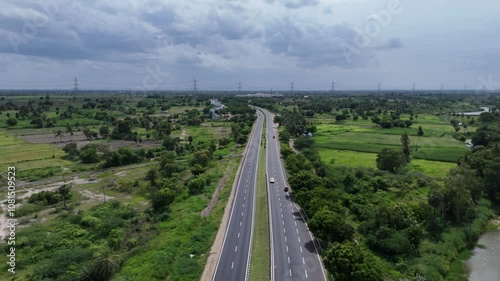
(293,252)
(234,260)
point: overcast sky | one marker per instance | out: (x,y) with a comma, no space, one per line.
(264,44)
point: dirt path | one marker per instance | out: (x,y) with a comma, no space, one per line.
(215,197)
(23,193)
(291,143)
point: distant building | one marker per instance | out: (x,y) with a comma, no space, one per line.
(213,110)
(215,102)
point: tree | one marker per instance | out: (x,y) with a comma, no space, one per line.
(190,139)
(88,154)
(104,131)
(11,122)
(69,131)
(167,165)
(152,176)
(64,190)
(405,143)
(486,117)
(162,198)
(71,149)
(305,180)
(303,142)
(196,185)
(330,226)
(390,160)
(106,264)
(60,134)
(349,262)
(462,189)
(420,131)
(285,136)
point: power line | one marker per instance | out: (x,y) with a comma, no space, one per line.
(75,87)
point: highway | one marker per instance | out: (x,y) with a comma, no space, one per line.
(293,252)
(234,260)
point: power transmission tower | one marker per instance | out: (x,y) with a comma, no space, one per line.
(413,87)
(195,86)
(239,87)
(291,87)
(465,87)
(75,87)
(378,88)
(333,87)
(442,87)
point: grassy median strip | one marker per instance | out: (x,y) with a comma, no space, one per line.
(259,266)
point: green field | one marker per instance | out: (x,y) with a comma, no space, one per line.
(439,146)
(367,160)
(28,158)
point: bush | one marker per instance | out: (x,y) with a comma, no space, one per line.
(11,122)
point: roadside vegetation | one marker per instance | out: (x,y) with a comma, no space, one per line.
(128,192)
(390,188)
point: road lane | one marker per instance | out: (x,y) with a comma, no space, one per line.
(294,256)
(234,260)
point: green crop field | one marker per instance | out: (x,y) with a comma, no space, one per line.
(335,157)
(364,136)
(28,157)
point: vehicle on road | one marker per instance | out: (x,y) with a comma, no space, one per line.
(271,180)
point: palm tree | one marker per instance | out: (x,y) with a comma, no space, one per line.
(69,131)
(59,134)
(105,265)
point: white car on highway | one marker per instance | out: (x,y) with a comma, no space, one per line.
(271,180)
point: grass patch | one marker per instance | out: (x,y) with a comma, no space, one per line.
(367,160)
(431,148)
(259,265)
(32,161)
(167,255)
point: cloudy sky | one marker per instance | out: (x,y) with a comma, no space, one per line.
(264,44)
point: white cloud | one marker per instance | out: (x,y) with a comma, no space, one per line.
(272,41)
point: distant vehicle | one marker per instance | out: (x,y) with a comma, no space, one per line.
(274,137)
(286,189)
(271,180)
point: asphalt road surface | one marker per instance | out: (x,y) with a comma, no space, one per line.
(293,252)
(234,260)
